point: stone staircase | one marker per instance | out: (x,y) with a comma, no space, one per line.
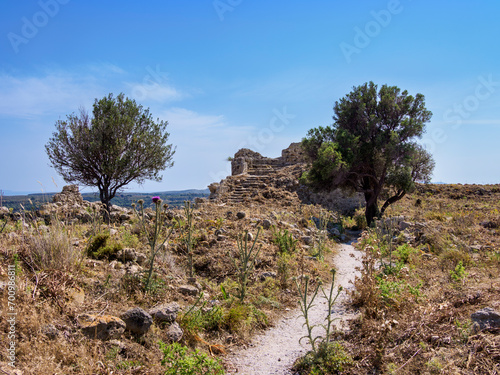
(256,178)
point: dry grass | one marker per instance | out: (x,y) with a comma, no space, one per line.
(56,282)
(431,334)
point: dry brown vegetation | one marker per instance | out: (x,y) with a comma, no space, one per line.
(415,314)
(57,281)
(415,297)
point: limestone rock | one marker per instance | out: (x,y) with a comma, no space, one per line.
(102,327)
(137,320)
(266,224)
(175,332)
(189,290)
(265,275)
(165,313)
(485,319)
(308,240)
(70,195)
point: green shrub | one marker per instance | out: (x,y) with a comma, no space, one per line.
(330,358)
(179,361)
(285,242)
(99,249)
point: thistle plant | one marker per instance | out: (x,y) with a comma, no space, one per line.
(330,301)
(155,243)
(306,306)
(245,262)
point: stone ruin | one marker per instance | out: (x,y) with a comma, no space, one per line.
(255,177)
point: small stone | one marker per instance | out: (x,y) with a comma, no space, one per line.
(165,313)
(127,255)
(50,331)
(249,236)
(241,215)
(266,224)
(175,332)
(404,225)
(189,290)
(137,320)
(308,240)
(141,258)
(102,327)
(265,275)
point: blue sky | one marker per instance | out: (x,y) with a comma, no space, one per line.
(228,74)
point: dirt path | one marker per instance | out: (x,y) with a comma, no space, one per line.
(275,351)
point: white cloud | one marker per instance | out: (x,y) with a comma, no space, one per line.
(52,93)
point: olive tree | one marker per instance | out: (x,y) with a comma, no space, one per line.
(371,146)
(118,144)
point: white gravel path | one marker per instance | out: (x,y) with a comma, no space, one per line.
(275,350)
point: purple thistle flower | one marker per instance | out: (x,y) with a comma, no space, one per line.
(156,199)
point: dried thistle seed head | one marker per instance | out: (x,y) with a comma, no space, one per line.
(140,202)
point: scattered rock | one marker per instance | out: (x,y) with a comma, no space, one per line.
(102,327)
(488,224)
(241,215)
(266,224)
(265,275)
(133,269)
(249,236)
(137,320)
(308,240)
(188,290)
(165,313)
(404,225)
(175,332)
(50,331)
(141,258)
(127,255)
(485,319)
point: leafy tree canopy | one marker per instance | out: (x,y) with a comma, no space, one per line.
(118,144)
(371,146)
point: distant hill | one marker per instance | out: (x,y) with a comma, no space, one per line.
(173,198)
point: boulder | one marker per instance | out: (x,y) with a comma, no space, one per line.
(485,319)
(174,332)
(102,327)
(189,290)
(137,320)
(165,313)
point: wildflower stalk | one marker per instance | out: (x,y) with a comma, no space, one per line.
(305,306)
(246,262)
(153,237)
(331,301)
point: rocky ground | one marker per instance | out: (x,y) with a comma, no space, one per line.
(426,297)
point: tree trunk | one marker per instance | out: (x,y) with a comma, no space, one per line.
(105,200)
(371,210)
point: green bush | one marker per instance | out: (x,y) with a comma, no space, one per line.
(330,358)
(179,361)
(285,242)
(99,248)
